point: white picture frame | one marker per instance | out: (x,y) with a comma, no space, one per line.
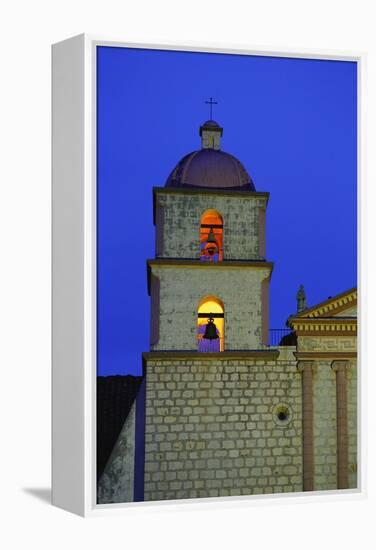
(74,274)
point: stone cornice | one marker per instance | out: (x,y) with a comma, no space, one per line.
(197,264)
(331,306)
(203,191)
(317,355)
(192,355)
(188,262)
(324,326)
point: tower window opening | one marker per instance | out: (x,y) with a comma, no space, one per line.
(211,237)
(210,325)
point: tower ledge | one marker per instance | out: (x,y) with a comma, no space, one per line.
(192,355)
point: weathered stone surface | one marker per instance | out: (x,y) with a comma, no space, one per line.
(324,426)
(181,291)
(217,451)
(179,216)
(328,343)
(324,409)
(352,395)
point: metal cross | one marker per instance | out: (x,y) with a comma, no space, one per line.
(211,103)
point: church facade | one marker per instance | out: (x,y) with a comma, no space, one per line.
(220,411)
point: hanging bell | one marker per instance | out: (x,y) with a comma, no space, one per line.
(210,330)
(211,250)
(211,246)
(211,237)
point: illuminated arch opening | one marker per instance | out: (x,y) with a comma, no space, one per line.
(211,237)
(212,308)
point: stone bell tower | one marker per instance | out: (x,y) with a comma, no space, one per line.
(220,412)
(206,372)
(210,242)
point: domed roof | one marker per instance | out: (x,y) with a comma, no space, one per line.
(210,168)
(211,124)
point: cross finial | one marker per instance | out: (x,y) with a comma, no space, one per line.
(211,102)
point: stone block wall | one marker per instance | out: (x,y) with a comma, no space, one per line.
(212,427)
(178,218)
(179,294)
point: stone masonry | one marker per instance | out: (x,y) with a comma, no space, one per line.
(181,289)
(212,426)
(179,214)
(325,406)
(352,389)
(251,419)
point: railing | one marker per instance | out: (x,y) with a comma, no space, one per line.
(276,335)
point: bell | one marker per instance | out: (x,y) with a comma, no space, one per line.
(211,244)
(210,330)
(211,238)
(211,250)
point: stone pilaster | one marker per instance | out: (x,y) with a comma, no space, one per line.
(306,368)
(340,368)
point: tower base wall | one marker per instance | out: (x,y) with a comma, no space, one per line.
(222,425)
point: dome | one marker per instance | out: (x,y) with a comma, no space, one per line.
(210,169)
(210,124)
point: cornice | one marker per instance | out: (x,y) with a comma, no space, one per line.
(193,355)
(317,355)
(331,306)
(203,191)
(188,262)
(324,326)
(166,263)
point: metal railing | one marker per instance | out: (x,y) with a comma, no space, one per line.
(276,335)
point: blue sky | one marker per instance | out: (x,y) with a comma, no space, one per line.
(291,122)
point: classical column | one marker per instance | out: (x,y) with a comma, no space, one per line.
(306,368)
(340,368)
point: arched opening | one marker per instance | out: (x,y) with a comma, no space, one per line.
(211,237)
(210,325)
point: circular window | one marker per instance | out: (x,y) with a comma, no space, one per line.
(282,414)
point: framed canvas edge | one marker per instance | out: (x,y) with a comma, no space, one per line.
(90,507)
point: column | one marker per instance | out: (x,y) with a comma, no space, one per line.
(306,368)
(340,368)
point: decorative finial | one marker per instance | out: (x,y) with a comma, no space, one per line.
(211,102)
(301,299)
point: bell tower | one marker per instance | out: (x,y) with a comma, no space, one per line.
(210,249)
(219,411)
(206,374)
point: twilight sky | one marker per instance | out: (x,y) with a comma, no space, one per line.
(291,122)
